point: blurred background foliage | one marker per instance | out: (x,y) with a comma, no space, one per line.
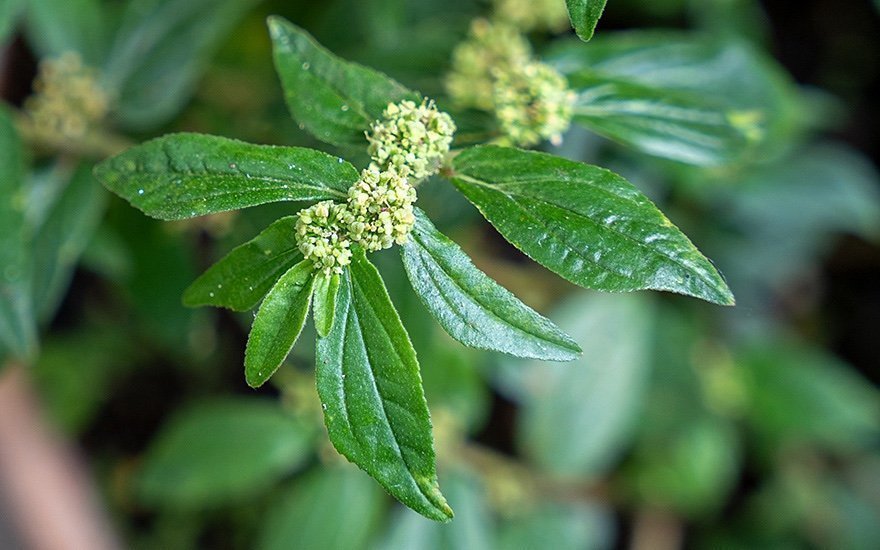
(683,424)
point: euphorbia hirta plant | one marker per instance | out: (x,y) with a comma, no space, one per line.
(585,223)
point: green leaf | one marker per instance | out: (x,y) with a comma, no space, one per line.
(160,51)
(473,308)
(63,236)
(17,325)
(9,12)
(335,507)
(278,323)
(187,175)
(54,28)
(473,529)
(324,308)
(673,125)
(241,279)
(584,223)
(584,15)
(221,450)
(369,384)
(599,397)
(571,525)
(334,99)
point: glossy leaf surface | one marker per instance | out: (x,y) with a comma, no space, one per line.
(334,99)
(584,223)
(470,306)
(182,176)
(278,323)
(324,307)
(241,279)
(371,391)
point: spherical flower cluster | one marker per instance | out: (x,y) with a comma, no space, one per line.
(532,102)
(380,208)
(322,237)
(411,139)
(489,45)
(68,100)
(529,15)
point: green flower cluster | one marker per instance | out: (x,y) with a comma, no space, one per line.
(381,209)
(532,103)
(411,139)
(494,70)
(489,45)
(408,144)
(529,15)
(322,236)
(68,100)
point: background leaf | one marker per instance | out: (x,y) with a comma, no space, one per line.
(584,15)
(677,126)
(76,26)
(9,13)
(187,175)
(473,308)
(333,99)
(337,507)
(220,450)
(241,279)
(278,323)
(17,326)
(584,223)
(576,419)
(160,50)
(63,236)
(371,391)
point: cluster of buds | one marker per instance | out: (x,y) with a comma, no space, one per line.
(494,70)
(322,237)
(527,15)
(489,45)
(380,208)
(408,144)
(532,103)
(411,139)
(68,100)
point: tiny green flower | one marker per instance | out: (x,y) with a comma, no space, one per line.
(322,238)
(410,138)
(68,100)
(532,103)
(489,46)
(380,208)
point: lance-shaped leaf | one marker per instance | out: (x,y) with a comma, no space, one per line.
(584,15)
(584,223)
(59,241)
(181,176)
(278,323)
(17,325)
(369,384)
(241,279)
(324,306)
(672,125)
(334,99)
(471,307)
